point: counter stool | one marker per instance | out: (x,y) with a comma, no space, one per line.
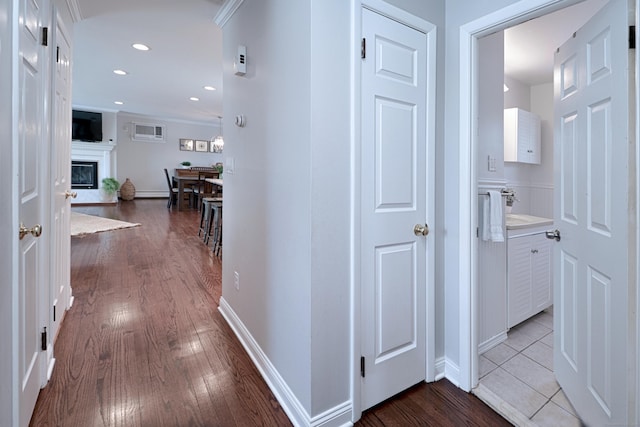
(214,228)
(206,216)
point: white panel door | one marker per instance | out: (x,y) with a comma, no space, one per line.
(591,209)
(394,200)
(31,277)
(61,187)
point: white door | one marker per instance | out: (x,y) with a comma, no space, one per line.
(395,89)
(61,186)
(8,234)
(31,251)
(593,285)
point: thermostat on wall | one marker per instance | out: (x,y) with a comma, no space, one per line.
(240,64)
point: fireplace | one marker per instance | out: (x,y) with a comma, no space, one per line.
(84,175)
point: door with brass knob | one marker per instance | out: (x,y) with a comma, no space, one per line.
(421,230)
(71,194)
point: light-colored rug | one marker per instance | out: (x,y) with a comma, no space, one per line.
(82,224)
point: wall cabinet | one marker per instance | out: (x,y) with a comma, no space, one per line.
(529,276)
(521,136)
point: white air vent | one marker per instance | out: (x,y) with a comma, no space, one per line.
(147,132)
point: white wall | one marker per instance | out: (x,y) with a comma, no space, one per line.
(533,183)
(459,12)
(490,112)
(267,199)
(287,205)
(142,162)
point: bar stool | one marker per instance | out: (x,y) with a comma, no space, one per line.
(214,228)
(206,216)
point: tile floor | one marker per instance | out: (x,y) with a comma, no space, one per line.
(519,372)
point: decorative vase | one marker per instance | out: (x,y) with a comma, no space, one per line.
(127,190)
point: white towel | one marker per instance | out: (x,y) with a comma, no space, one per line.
(492,217)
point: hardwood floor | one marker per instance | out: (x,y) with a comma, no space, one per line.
(144,343)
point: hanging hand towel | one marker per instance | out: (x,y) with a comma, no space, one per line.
(492,217)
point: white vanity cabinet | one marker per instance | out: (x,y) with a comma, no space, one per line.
(529,273)
(521,136)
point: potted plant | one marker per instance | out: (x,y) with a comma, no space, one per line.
(110,187)
(219,168)
(186,164)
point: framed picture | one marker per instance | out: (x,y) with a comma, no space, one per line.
(186,144)
(202,145)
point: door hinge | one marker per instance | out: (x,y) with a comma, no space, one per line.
(57,54)
(363,48)
(477,232)
(43,337)
(54,312)
(362,366)
(45,36)
(632,36)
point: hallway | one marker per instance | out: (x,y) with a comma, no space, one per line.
(145,345)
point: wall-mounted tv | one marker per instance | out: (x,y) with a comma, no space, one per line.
(86,126)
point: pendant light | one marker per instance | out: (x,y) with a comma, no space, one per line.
(217,143)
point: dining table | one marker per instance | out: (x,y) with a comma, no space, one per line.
(181,182)
(214,181)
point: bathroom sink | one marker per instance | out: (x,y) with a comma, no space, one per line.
(519,221)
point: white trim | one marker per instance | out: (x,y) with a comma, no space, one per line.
(337,416)
(467,278)
(637,215)
(492,342)
(430,30)
(440,366)
(226,12)
(74,10)
(452,372)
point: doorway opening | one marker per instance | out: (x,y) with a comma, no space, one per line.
(512,355)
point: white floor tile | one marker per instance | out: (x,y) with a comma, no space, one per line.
(544,318)
(533,374)
(551,415)
(515,392)
(548,340)
(541,353)
(533,329)
(561,400)
(500,354)
(486,366)
(518,340)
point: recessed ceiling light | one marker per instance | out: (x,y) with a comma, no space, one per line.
(120,72)
(140,46)
(209,88)
(118,102)
(193,98)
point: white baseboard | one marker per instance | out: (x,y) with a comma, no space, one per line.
(338,416)
(439,369)
(452,372)
(492,342)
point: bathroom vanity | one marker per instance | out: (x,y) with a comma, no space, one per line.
(529,267)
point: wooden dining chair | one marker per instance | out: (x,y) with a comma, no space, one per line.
(173,192)
(203,188)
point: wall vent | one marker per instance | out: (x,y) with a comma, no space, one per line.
(147,132)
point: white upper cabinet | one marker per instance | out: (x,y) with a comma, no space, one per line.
(521,136)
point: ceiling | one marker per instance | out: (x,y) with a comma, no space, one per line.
(186,54)
(529,47)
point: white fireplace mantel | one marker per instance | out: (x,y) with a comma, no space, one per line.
(101,153)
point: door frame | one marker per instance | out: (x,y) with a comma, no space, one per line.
(468,303)
(402,16)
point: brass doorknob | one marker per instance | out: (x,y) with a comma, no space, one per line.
(35,231)
(421,230)
(71,194)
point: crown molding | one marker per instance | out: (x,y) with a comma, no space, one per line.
(226,12)
(74,9)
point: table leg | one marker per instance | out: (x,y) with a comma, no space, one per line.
(180,193)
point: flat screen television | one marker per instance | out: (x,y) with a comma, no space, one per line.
(86,126)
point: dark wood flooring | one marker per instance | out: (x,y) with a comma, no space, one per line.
(144,343)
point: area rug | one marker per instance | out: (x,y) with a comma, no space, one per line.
(82,224)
